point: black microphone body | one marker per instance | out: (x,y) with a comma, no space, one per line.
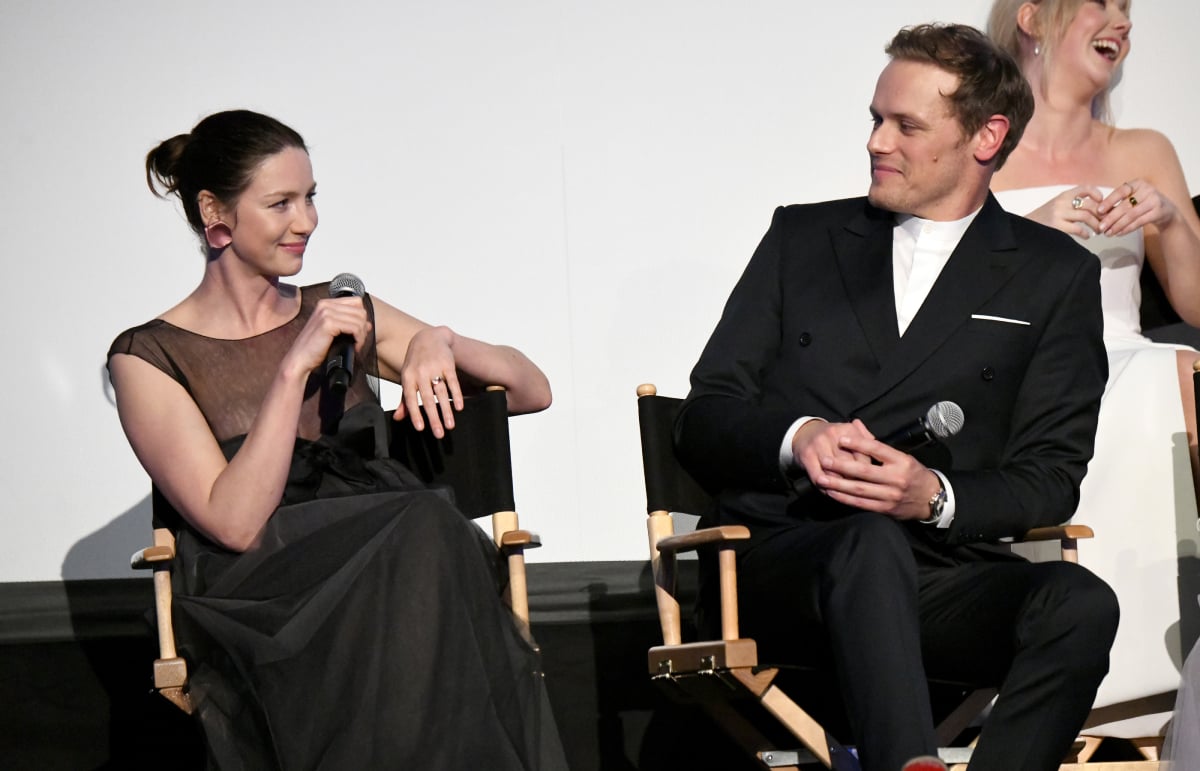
(941,421)
(911,437)
(339,363)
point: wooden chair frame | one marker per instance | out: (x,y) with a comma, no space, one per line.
(474,460)
(712,672)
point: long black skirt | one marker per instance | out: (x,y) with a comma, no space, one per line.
(365,632)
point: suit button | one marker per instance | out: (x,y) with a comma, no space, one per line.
(805,338)
(988,373)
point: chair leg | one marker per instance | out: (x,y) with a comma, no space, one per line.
(1149,746)
(741,730)
(810,733)
(1090,745)
(958,720)
(170,670)
(170,680)
(518,591)
(807,730)
(659,525)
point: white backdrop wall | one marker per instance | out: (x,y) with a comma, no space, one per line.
(583,180)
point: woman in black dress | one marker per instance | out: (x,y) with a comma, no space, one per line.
(338,615)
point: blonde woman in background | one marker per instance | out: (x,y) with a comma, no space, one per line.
(1122,194)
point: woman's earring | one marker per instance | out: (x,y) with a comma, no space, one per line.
(218,235)
(1037,49)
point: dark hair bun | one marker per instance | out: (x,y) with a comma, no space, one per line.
(220,155)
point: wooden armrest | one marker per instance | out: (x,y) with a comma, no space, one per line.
(519,538)
(697,538)
(144,559)
(1058,533)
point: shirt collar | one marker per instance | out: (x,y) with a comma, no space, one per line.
(946,232)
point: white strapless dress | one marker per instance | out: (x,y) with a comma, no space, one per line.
(1138,494)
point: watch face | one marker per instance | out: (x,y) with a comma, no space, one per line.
(936,504)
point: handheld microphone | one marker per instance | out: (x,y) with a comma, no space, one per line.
(940,422)
(339,362)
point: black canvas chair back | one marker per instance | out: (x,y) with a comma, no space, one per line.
(668,486)
(1156,311)
(162,513)
(474,460)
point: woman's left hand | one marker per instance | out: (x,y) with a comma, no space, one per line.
(429,377)
(1132,205)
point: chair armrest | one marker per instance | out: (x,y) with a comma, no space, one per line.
(694,540)
(1057,533)
(523,539)
(144,559)
(1067,535)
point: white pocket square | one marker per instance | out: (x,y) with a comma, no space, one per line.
(1001,319)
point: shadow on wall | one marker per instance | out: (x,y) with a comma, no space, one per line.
(1188,628)
(1187,545)
(126,724)
(106,551)
(109,717)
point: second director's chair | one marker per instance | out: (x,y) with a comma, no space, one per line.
(724,677)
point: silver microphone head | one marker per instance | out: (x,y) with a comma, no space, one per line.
(347,285)
(944,420)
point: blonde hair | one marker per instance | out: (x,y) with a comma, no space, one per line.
(1050,24)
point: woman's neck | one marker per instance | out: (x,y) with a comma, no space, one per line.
(234,303)
(1062,123)
(1063,143)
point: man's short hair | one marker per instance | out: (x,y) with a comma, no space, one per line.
(989,81)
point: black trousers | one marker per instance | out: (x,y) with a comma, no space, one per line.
(891,618)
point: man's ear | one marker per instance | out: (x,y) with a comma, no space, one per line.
(990,137)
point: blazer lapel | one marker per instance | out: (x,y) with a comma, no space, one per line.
(863,249)
(982,263)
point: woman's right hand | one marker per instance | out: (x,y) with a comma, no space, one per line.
(331,317)
(1073,211)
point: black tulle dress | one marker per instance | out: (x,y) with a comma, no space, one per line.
(366,631)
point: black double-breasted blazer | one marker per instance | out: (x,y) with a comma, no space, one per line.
(1011,331)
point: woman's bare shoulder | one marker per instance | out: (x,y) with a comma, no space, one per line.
(1142,146)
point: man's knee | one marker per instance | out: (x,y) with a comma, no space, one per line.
(1086,598)
(871,546)
(865,533)
(1075,605)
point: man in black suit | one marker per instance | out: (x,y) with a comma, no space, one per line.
(850,320)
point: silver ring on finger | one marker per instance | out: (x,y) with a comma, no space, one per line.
(437,380)
(1077,202)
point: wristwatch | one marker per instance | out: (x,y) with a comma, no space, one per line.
(937,505)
